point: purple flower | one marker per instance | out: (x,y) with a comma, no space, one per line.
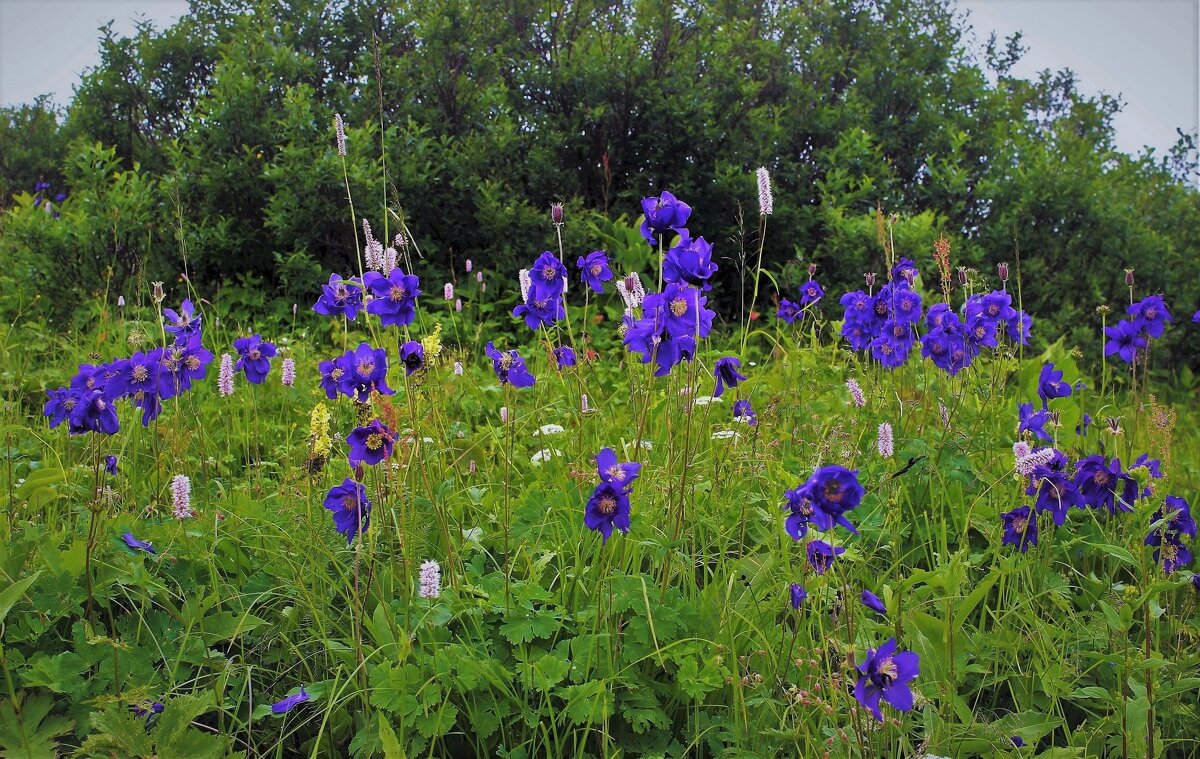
(594,270)
(744,412)
(811,292)
(541,308)
(85,411)
(548,277)
(564,356)
(412,355)
(1196,317)
(663,214)
(137,545)
(1051,385)
(872,602)
(1018,328)
(1099,481)
(1178,520)
(649,337)
(726,373)
(615,473)
(800,508)
(834,490)
(1151,312)
(350,507)
(885,674)
(110,464)
(255,358)
(340,297)
(1125,340)
(181,364)
(905,305)
(147,709)
(1055,491)
(1020,528)
(289,702)
(683,310)
(905,270)
(1172,553)
(184,323)
(394,296)
(798,594)
(821,555)
(134,375)
(690,262)
(789,311)
(1032,421)
(509,367)
(357,373)
(607,508)
(370,444)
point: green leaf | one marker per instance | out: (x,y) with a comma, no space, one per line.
(35,736)
(588,703)
(14,592)
(387,739)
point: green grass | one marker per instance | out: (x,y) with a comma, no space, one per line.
(675,639)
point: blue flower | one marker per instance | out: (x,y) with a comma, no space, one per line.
(137,545)
(357,373)
(110,464)
(548,277)
(872,602)
(607,508)
(395,296)
(811,292)
(1032,421)
(255,356)
(690,262)
(821,555)
(1124,340)
(542,308)
(726,373)
(1152,314)
(1051,385)
(564,356)
(798,594)
(594,270)
(183,323)
(370,444)
(350,508)
(290,702)
(1020,528)
(340,297)
(885,674)
(509,367)
(1098,482)
(744,412)
(789,311)
(662,214)
(412,355)
(615,473)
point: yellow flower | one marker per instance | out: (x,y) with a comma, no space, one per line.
(432,343)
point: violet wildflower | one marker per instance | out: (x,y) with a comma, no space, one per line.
(395,296)
(798,594)
(663,214)
(1054,489)
(1124,340)
(370,444)
(594,270)
(340,297)
(290,702)
(350,507)
(1020,528)
(743,412)
(509,367)
(288,372)
(181,497)
(1032,421)
(800,512)
(225,377)
(84,411)
(616,473)
(1172,553)
(884,441)
(110,464)
(856,393)
(1051,385)
(541,308)
(766,203)
(872,602)
(726,373)
(412,355)
(905,270)
(607,508)
(821,555)
(1151,314)
(431,579)
(1081,429)
(183,323)
(137,545)
(548,275)
(448,291)
(564,356)
(357,373)
(255,358)
(1178,519)
(467,266)
(885,674)
(458,369)
(811,292)
(788,311)
(181,364)
(690,262)
(834,490)
(147,709)
(1104,484)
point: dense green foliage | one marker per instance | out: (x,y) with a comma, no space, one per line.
(223,152)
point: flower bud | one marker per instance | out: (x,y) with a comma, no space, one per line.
(870,278)
(156,292)
(812,270)
(556,213)
(1129,277)
(468,266)
(1002,269)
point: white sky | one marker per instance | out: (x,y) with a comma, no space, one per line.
(1148,51)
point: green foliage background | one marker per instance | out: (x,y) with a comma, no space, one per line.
(208,147)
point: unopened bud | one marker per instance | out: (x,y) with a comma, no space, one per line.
(1002,268)
(962,275)
(556,213)
(812,269)
(156,292)
(870,279)
(1129,277)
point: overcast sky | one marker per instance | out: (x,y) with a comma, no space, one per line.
(1148,51)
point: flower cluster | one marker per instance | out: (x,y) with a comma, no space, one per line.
(542,289)
(672,322)
(609,505)
(952,343)
(1169,525)
(147,378)
(884,323)
(356,373)
(823,501)
(1147,320)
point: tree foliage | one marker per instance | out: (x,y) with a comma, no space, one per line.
(467,118)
